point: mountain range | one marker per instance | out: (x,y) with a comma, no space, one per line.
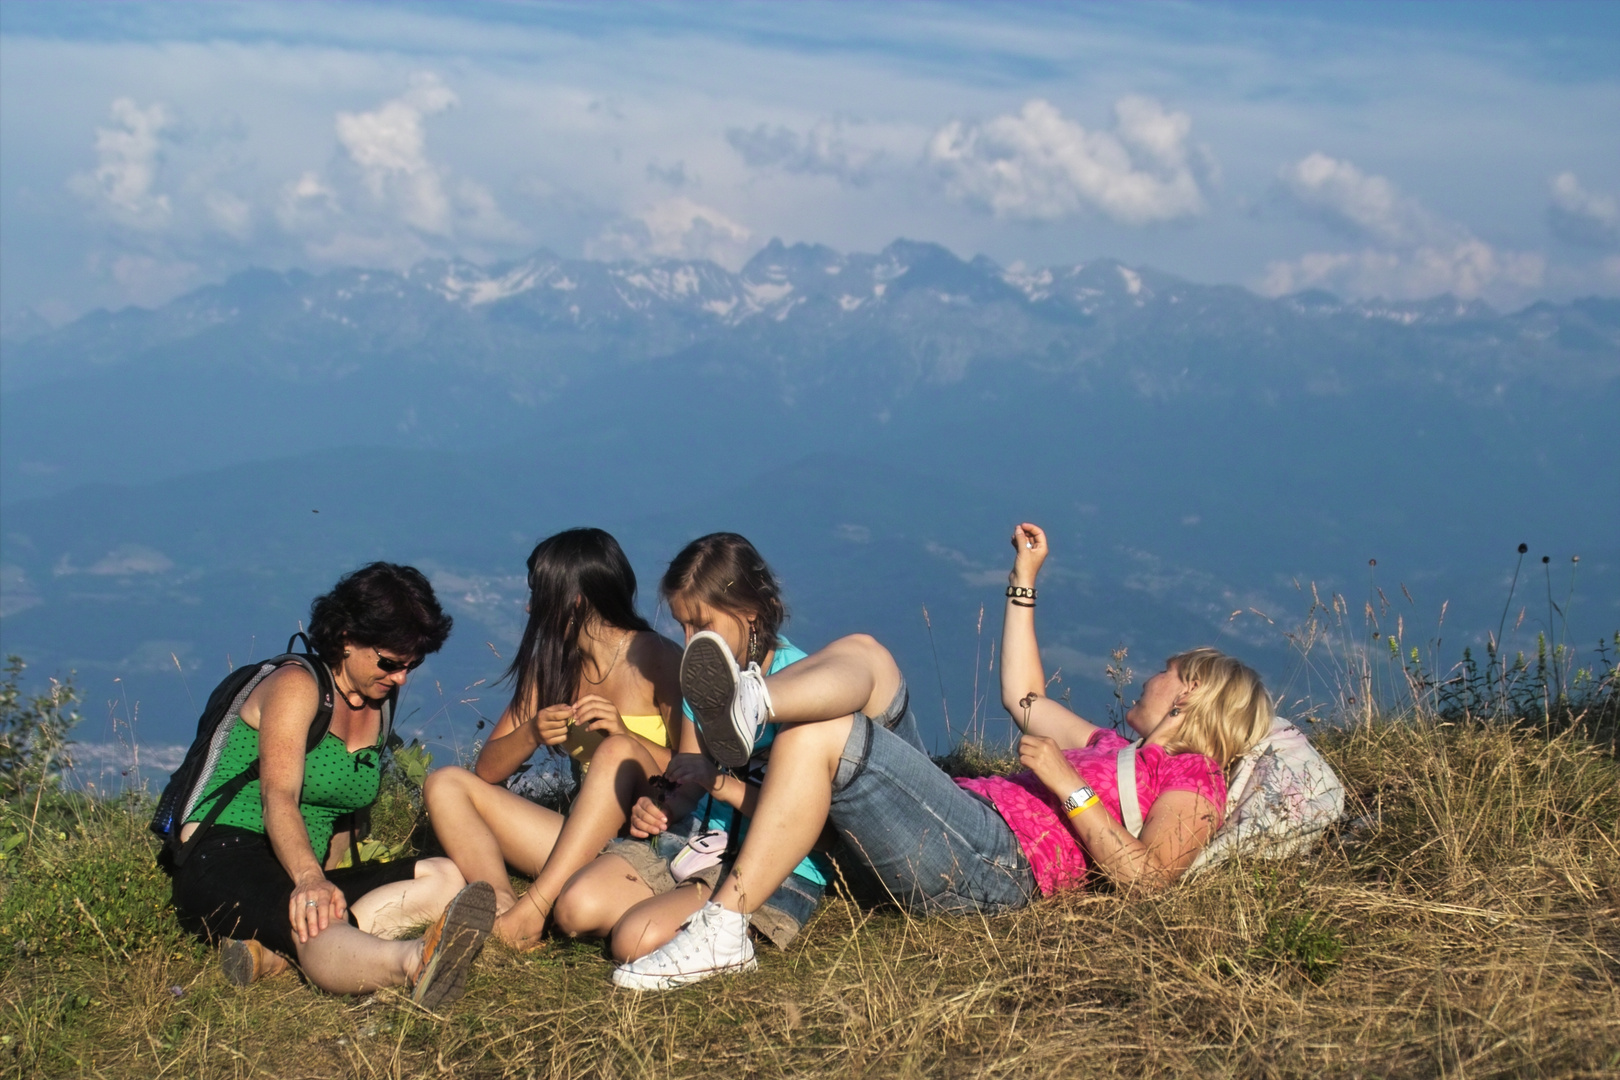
(177,483)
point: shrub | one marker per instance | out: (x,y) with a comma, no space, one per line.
(33,734)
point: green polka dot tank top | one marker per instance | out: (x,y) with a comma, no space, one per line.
(335,783)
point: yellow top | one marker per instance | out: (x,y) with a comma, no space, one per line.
(581,744)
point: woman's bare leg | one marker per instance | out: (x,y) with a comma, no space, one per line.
(793,805)
(392,910)
(853,674)
(485,828)
(598,897)
(650,924)
(343,960)
(617,777)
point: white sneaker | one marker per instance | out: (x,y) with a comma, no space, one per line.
(732,707)
(714,942)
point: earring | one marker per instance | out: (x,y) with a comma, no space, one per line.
(753,644)
(1176,711)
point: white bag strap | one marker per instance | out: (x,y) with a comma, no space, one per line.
(1130,806)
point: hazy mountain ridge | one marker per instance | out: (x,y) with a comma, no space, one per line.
(539,318)
(178,483)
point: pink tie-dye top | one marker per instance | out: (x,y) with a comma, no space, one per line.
(1036,816)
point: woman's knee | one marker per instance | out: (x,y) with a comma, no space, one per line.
(634,937)
(578,912)
(441,872)
(820,741)
(867,647)
(446,783)
(615,749)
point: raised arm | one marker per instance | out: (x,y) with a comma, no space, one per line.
(1023,679)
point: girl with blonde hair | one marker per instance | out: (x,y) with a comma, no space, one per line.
(986,845)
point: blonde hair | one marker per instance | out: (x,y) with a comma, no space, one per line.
(1226,713)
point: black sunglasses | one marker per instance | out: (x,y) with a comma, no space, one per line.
(388,665)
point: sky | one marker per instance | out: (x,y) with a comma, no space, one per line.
(1396,150)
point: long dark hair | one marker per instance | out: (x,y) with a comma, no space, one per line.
(726,572)
(379,606)
(573,566)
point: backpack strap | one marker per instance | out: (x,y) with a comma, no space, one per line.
(1130,805)
(227,792)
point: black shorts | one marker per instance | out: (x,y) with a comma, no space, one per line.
(234,886)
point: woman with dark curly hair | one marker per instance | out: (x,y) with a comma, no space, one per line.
(264,878)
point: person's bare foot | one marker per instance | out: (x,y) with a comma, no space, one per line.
(522,926)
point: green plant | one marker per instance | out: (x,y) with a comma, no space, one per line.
(1302,941)
(33,734)
(92,888)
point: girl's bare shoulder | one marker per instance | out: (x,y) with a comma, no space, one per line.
(656,658)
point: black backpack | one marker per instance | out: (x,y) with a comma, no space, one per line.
(188,782)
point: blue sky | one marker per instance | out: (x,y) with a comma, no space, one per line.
(1400,150)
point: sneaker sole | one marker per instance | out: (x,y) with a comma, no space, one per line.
(634,980)
(709,684)
(467,923)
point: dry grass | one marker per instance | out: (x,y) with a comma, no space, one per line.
(1469,930)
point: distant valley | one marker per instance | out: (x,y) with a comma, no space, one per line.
(178,483)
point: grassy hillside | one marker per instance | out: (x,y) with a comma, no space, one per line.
(1468,925)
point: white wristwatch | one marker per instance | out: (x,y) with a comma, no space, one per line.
(1080,799)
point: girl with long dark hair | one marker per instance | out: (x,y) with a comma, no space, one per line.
(591,678)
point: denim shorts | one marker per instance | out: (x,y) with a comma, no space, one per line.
(899,718)
(780,918)
(934,847)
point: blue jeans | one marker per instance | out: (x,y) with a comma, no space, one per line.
(933,846)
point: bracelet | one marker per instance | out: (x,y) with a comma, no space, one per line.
(1020,591)
(1021,603)
(1083,807)
(1080,800)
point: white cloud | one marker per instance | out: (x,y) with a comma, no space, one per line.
(1581,216)
(1040,165)
(677,228)
(124,182)
(389,203)
(1413,254)
(823,150)
(145,280)
(230,213)
(389,145)
(1467,269)
(1366,205)
(305,202)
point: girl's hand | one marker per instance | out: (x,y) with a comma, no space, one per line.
(551,724)
(1042,757)
(316,904)
(596,713)
(647,818)
(1029,543)
(694,769)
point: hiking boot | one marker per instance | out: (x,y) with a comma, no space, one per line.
(732,707)
(714,942)
(245,961)
(451,945)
